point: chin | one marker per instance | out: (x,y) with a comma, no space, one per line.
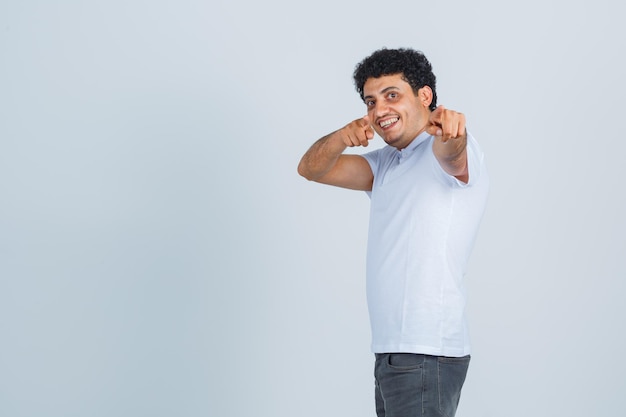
(391,141)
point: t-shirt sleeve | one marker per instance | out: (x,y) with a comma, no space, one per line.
(373,158)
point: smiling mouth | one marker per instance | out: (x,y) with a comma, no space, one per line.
(388,122)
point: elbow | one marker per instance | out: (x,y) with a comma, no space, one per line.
(304,172)
(308,174)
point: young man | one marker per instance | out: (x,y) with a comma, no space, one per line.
(428,189)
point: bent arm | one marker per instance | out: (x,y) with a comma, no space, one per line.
(450,145)
(325,163)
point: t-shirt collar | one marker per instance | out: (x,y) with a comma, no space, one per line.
(421,138)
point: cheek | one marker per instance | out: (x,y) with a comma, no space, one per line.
(372,117)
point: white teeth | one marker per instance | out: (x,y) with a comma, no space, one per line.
(388,122)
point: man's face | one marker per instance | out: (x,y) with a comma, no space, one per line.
(395,112)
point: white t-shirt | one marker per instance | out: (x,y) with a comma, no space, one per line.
(423,224)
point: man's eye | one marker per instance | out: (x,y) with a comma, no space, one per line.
(369,103)
(393,95)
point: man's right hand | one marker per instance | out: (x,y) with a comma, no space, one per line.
(357,133)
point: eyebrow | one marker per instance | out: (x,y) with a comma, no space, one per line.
(383,91)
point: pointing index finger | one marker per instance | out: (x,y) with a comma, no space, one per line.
(435,121)
(369,130)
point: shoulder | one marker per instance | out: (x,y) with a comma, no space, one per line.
(378,156)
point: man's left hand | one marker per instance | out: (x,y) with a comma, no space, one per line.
(446,124)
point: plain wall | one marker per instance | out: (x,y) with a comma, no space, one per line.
(160,256)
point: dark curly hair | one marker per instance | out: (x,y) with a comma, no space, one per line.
(413,65)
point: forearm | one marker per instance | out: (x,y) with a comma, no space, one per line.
(321,156)
(452,156)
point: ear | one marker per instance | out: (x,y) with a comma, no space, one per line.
(425,96)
